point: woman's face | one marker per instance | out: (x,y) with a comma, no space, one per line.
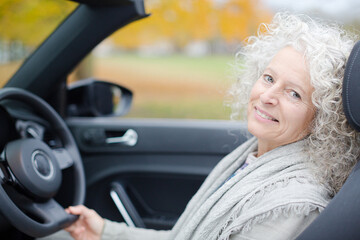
(280,109)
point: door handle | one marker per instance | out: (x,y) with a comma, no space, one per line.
(129,138)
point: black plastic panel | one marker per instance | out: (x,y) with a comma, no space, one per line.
(161,172)
(160,135)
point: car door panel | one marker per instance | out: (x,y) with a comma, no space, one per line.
(161,172)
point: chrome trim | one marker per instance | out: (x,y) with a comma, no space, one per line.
(130,138)
(35,165)
(120,206)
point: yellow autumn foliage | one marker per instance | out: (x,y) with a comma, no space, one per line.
(181,22)
(31,21)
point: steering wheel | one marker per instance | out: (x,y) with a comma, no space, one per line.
(31,167)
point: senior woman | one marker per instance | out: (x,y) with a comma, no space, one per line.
(275,184)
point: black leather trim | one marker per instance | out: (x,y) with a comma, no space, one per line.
(351,88)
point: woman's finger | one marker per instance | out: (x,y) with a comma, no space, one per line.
(79,230)
(71,228)
(77,210)
(78,223)
(80,210)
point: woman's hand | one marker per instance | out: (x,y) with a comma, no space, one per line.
(89,226)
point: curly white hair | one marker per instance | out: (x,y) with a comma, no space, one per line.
(333,146)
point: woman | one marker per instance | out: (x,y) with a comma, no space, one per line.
(275,184)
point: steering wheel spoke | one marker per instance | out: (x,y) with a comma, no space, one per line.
(50,212)
(4,176)
(63,158)
(47,217)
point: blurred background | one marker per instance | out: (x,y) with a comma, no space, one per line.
(178,61)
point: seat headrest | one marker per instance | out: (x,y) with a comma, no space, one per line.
(351,88)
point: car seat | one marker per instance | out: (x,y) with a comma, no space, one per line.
(341,218)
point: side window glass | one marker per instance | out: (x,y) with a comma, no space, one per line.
(178,61)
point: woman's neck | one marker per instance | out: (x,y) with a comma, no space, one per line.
(265,146)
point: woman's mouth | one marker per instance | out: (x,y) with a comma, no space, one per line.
(264,115)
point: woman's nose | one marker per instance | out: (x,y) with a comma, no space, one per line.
(269,96)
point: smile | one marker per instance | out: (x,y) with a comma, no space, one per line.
(264,115)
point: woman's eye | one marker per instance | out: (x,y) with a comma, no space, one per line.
(268,78)
(295,95)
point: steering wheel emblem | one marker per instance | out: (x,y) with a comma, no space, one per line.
(42,164)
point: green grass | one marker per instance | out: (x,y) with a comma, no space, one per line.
(177,86)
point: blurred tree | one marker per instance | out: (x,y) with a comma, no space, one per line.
(23,25)
(31,21)
(181,22)
(240,18)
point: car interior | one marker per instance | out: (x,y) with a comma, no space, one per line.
(67,145)
(149,167)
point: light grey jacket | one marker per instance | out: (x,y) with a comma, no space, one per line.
(275,197)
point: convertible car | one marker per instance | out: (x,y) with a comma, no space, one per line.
(65,145)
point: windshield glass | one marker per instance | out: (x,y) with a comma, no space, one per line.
(24,25)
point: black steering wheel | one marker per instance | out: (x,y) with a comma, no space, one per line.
(33,168)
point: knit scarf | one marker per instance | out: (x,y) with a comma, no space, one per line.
(279,182)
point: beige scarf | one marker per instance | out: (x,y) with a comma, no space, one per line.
(263,189)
